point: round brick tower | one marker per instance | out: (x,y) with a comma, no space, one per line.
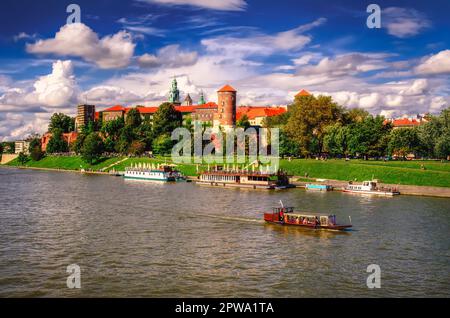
(226,110)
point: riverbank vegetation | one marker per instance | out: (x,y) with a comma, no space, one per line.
(63,163)
(317,126)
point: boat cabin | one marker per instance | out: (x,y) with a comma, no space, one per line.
(288,216)
(365,186)
(244,178)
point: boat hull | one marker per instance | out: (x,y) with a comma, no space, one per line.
(380,193)
(150,179)
(312,227)
(275,219)
(237,185)
(318,187)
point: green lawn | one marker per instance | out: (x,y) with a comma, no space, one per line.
(65,163)
(436,174)
(186,169)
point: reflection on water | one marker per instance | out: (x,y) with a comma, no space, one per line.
(155,240)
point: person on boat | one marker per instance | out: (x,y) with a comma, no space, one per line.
(281,215)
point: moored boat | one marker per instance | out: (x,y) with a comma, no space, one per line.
(237,178)
(370,187)
(144,172)
(286,216)
(318,187)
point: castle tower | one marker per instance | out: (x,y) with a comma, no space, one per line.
(174,95)
(202,99)
(85,114)
(188,100)
(226,111)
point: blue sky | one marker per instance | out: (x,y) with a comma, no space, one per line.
(127,52)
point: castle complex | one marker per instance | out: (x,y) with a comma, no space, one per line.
(223,114)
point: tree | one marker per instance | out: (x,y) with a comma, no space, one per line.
(136,148)
(442,147)
(287,146)
(57,142)
(133,119)
(336,140)
(111,130)
(369,137)
(435,132)
(126,138)
(166,119)
(22,158)
(35,149)
(243,122)
(62,122)
(276,121)
(309,116)
(403,141)
(92,148)
(162,144)
(9,147)
(77,145)
(355,115)
(144,133)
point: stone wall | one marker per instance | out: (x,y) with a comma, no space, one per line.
(7,158)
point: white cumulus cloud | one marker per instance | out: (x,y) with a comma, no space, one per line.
(435,64)
(168,56)
(77,39)
(404,22)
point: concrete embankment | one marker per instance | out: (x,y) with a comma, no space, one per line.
(7,158)
(404,189)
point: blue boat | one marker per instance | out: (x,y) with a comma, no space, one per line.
(318,187)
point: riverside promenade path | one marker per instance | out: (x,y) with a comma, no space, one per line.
(404,189)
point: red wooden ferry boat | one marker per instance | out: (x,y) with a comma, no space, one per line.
(287,216)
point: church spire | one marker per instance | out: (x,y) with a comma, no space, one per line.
(174,95)
(202,99)
(188,100)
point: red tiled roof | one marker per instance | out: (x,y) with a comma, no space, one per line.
(227,88)
(154,109)
(405,122)
(144,110)
(253,112)
(303,93)
(116,108)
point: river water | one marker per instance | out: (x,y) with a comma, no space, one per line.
(135,239)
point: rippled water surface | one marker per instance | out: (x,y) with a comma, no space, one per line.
(137,239)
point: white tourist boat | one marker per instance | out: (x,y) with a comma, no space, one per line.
(370,187)
(150,172)
(243,178)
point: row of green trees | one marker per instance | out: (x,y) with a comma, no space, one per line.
(132,135)
(316,125)
(312,126)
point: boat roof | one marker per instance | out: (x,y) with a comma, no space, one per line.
(304,214)
(242,173)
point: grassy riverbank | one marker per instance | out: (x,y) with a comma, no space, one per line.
(435,174)
(395,172)
(64,163)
